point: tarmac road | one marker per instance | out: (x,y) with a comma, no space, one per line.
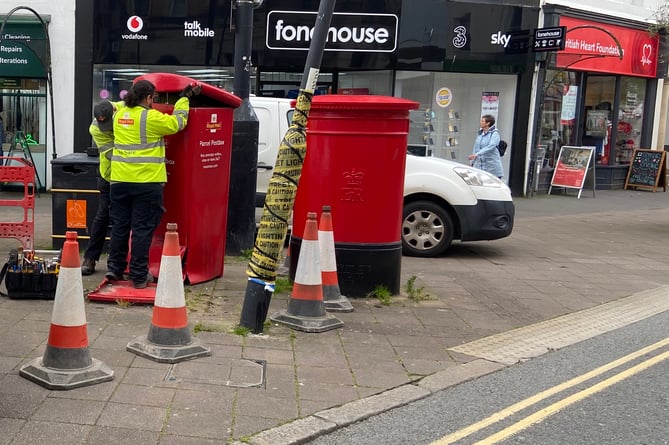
(565,256)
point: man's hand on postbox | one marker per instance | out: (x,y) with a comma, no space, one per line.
(191,90)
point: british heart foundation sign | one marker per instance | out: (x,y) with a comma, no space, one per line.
(588,40)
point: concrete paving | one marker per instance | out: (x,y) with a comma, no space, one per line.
(566,255)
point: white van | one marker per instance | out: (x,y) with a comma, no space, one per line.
(443,200)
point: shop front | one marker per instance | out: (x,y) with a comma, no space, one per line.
(457,59)
(600,91)
(23,92)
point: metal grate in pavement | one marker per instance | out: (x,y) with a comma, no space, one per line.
(531,341)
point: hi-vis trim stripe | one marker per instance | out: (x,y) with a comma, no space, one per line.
(140,160)
(516,407)
(308,269)
(142,146)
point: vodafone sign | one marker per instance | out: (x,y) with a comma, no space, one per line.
(290,30)
(639,50)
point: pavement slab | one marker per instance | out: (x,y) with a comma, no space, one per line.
(566,257)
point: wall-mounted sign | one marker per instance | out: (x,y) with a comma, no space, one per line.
(490,103)
(23,49)
(291,30)
(589,47)
(444,97)
(549,39)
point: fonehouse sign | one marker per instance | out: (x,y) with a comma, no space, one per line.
(289,30)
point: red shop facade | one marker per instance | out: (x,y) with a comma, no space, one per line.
(599,91)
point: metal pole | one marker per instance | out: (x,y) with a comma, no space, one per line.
(283,185)
(244,153)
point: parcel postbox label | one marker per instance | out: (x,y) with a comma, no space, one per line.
(76,214)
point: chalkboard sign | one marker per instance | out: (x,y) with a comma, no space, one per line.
(647,170)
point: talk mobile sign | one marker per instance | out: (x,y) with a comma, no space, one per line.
(638,47)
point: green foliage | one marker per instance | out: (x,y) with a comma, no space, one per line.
(661,17)
(241,330)
(123,303)
(282,285)
(415,293)
(203,327)
(382,293)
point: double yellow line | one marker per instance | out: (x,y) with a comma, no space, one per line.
(543,413)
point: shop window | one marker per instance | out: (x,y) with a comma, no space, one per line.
(451,106)
(558,113)
(631,98)
(365,82)
(600,95)
(111,81)
(23,123)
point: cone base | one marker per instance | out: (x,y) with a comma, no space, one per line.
(307,324)
(167,354)
(340,304)
(52,378)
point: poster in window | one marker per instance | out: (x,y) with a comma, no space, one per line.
(596,123)
(490,103)
(568,113)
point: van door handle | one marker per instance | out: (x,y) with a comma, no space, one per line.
(265,166)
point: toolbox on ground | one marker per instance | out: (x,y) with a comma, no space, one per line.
(28,273)
(31,274)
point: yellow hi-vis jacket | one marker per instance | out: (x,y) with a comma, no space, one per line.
(139,148)
(104,140)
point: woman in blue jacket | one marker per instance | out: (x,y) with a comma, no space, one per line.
(485,155)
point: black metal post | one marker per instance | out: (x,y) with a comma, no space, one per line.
(283,185)
(244,155)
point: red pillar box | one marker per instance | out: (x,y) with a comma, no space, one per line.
(356,154)
(198,173)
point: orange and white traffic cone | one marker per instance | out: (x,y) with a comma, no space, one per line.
(332,297)
(169,339)
(67,362)
(306,310)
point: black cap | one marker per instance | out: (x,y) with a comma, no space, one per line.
(103,112)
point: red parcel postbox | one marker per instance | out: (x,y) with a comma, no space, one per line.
(356,155)
(198,173)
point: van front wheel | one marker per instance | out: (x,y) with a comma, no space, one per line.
(427,229)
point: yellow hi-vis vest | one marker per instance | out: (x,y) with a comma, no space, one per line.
(104,140)
(139,147)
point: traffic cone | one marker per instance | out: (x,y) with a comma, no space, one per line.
(306,310)
(332,297)
(169,339)
(67,362)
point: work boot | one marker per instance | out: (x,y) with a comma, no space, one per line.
(113,276)
(141,284)
(88,266)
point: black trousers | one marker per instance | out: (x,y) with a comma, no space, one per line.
(135,208)
(98,231)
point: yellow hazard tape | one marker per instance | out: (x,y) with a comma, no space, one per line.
(281,194)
